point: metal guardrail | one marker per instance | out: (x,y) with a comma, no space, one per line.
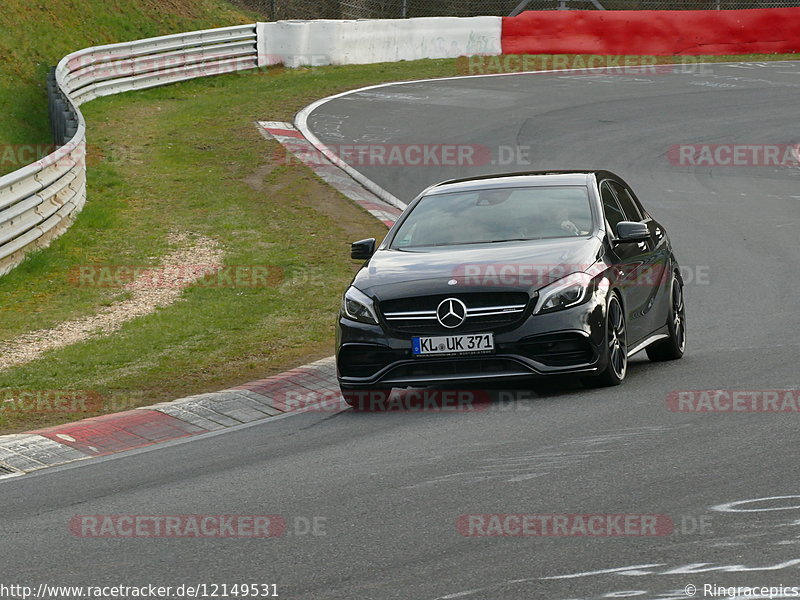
(40,201)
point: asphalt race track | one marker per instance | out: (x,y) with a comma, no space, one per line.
(390,487)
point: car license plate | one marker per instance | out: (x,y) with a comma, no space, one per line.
(477,343)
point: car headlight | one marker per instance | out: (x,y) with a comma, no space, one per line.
(567,291)
(356,305)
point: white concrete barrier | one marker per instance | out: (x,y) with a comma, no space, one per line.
(324,42)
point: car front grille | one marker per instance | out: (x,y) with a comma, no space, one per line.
(485,311)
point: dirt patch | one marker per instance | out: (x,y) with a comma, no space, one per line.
(256,179)
(348,216)
(149,290)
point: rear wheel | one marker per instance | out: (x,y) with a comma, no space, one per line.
(617,347)
(673,347)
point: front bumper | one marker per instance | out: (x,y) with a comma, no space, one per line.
(569,341)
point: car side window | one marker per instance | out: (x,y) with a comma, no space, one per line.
(626,202)
(611,208)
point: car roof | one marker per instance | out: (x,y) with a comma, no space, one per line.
(523,179)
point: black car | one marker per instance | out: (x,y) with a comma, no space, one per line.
(512,276)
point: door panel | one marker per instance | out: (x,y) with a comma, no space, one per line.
(635,263)
(656,273)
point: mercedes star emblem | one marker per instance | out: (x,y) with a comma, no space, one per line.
(451,312)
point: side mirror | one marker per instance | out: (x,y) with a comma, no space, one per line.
(362,249)
(631,231)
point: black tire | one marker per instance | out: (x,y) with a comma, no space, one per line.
(674,346)
(361,399)
(617,345)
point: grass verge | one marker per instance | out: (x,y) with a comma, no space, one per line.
(36,35)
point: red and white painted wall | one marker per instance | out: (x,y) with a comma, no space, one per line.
(629,32)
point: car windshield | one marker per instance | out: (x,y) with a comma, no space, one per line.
(496,215)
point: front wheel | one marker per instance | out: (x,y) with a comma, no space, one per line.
(617,348)
(673,347)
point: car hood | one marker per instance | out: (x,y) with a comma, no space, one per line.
(505,266)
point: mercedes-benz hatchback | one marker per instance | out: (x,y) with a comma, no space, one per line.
(507,277)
